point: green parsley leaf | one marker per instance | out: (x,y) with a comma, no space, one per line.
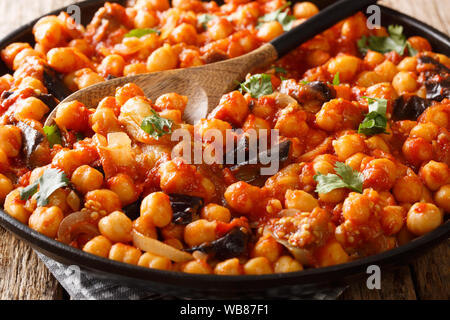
(346,177)
(395,42)
(258,85)
(53,135)
(412,52)
(156,126)
(281,15)
(336,80)
(49,182)
(375,121)
(138,33)
(203,19)
(279,69)
(305,82)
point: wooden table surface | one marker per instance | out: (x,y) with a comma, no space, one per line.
(24,276)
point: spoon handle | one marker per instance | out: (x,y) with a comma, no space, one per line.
(325,19)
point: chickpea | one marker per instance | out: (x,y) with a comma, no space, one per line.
(145,19)
(16,207)
(373,58)
(220,29)
(214,212)
(197,267)
(33,83)
(83,46)
(417,150)
(105,199)
(71,116)
(346,65)
(376,142)
(171,101)
(357,208)
(419,43)
(242,197)
(386,70)
(305,10)
(442,198)
(116,226)
(267,247)
(258,266)
(134,69)
(269,31)
(124,253)
(200,231)
(157,209)
(112,65)
(423,218)
(348,145)
(86,77)
(392,219)
(46,220)
(66,60)
(287,264)
(158,5)
(408,189)
(152,261)
(291,122)
(404,82)
(104,121)
(48,32)
(230,267)
(100,246)
(338,114)
(144,227)
(22,57)
(427,131)
(408,64)
(12,50)
(380,174)
(10,140)
(435,174)
(355,161)
(232,108)
(300,200)
(316,58)
(177,244)
(331,254)
(128,91)
(368,78)
(161,59)
(382,90)
(173,231)
(334,196)
(59,199)
(6,187)
(86,178)
(124,187)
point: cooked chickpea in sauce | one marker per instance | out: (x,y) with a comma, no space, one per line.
(365,141)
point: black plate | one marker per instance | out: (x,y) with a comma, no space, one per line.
(297,284)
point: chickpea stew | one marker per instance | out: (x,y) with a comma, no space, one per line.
(363,118)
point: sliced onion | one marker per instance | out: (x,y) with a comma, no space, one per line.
(75,224)
(320,149)
(160,249)
(301,255)
(288,213)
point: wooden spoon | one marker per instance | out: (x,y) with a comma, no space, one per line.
(205,85)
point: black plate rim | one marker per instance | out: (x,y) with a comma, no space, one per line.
(64,253)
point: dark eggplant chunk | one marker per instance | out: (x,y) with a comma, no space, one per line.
(323,91)
(49,100)
(282,154)
(6,94)
(110,77)
(437,79)
(438,90)
(232,245)
(55,85)
(409,108)
(439,66)
(133,211)
(185,208)
(31,139)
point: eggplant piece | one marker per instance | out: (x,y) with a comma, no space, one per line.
(322,90)
(55,85)
(49,100)
(437,79)
(438,90)
(232,245)
(185,208)
(31,138)
(439,66)
(409,107)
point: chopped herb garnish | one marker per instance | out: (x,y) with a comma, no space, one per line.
(203,19)
(281,15)
(49,182)
(304,82)
(279,69)
(345,177)
(156,126)
(258,85)
(53,135)
(395,42)
(336,80)
(375,121)
(138,33)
